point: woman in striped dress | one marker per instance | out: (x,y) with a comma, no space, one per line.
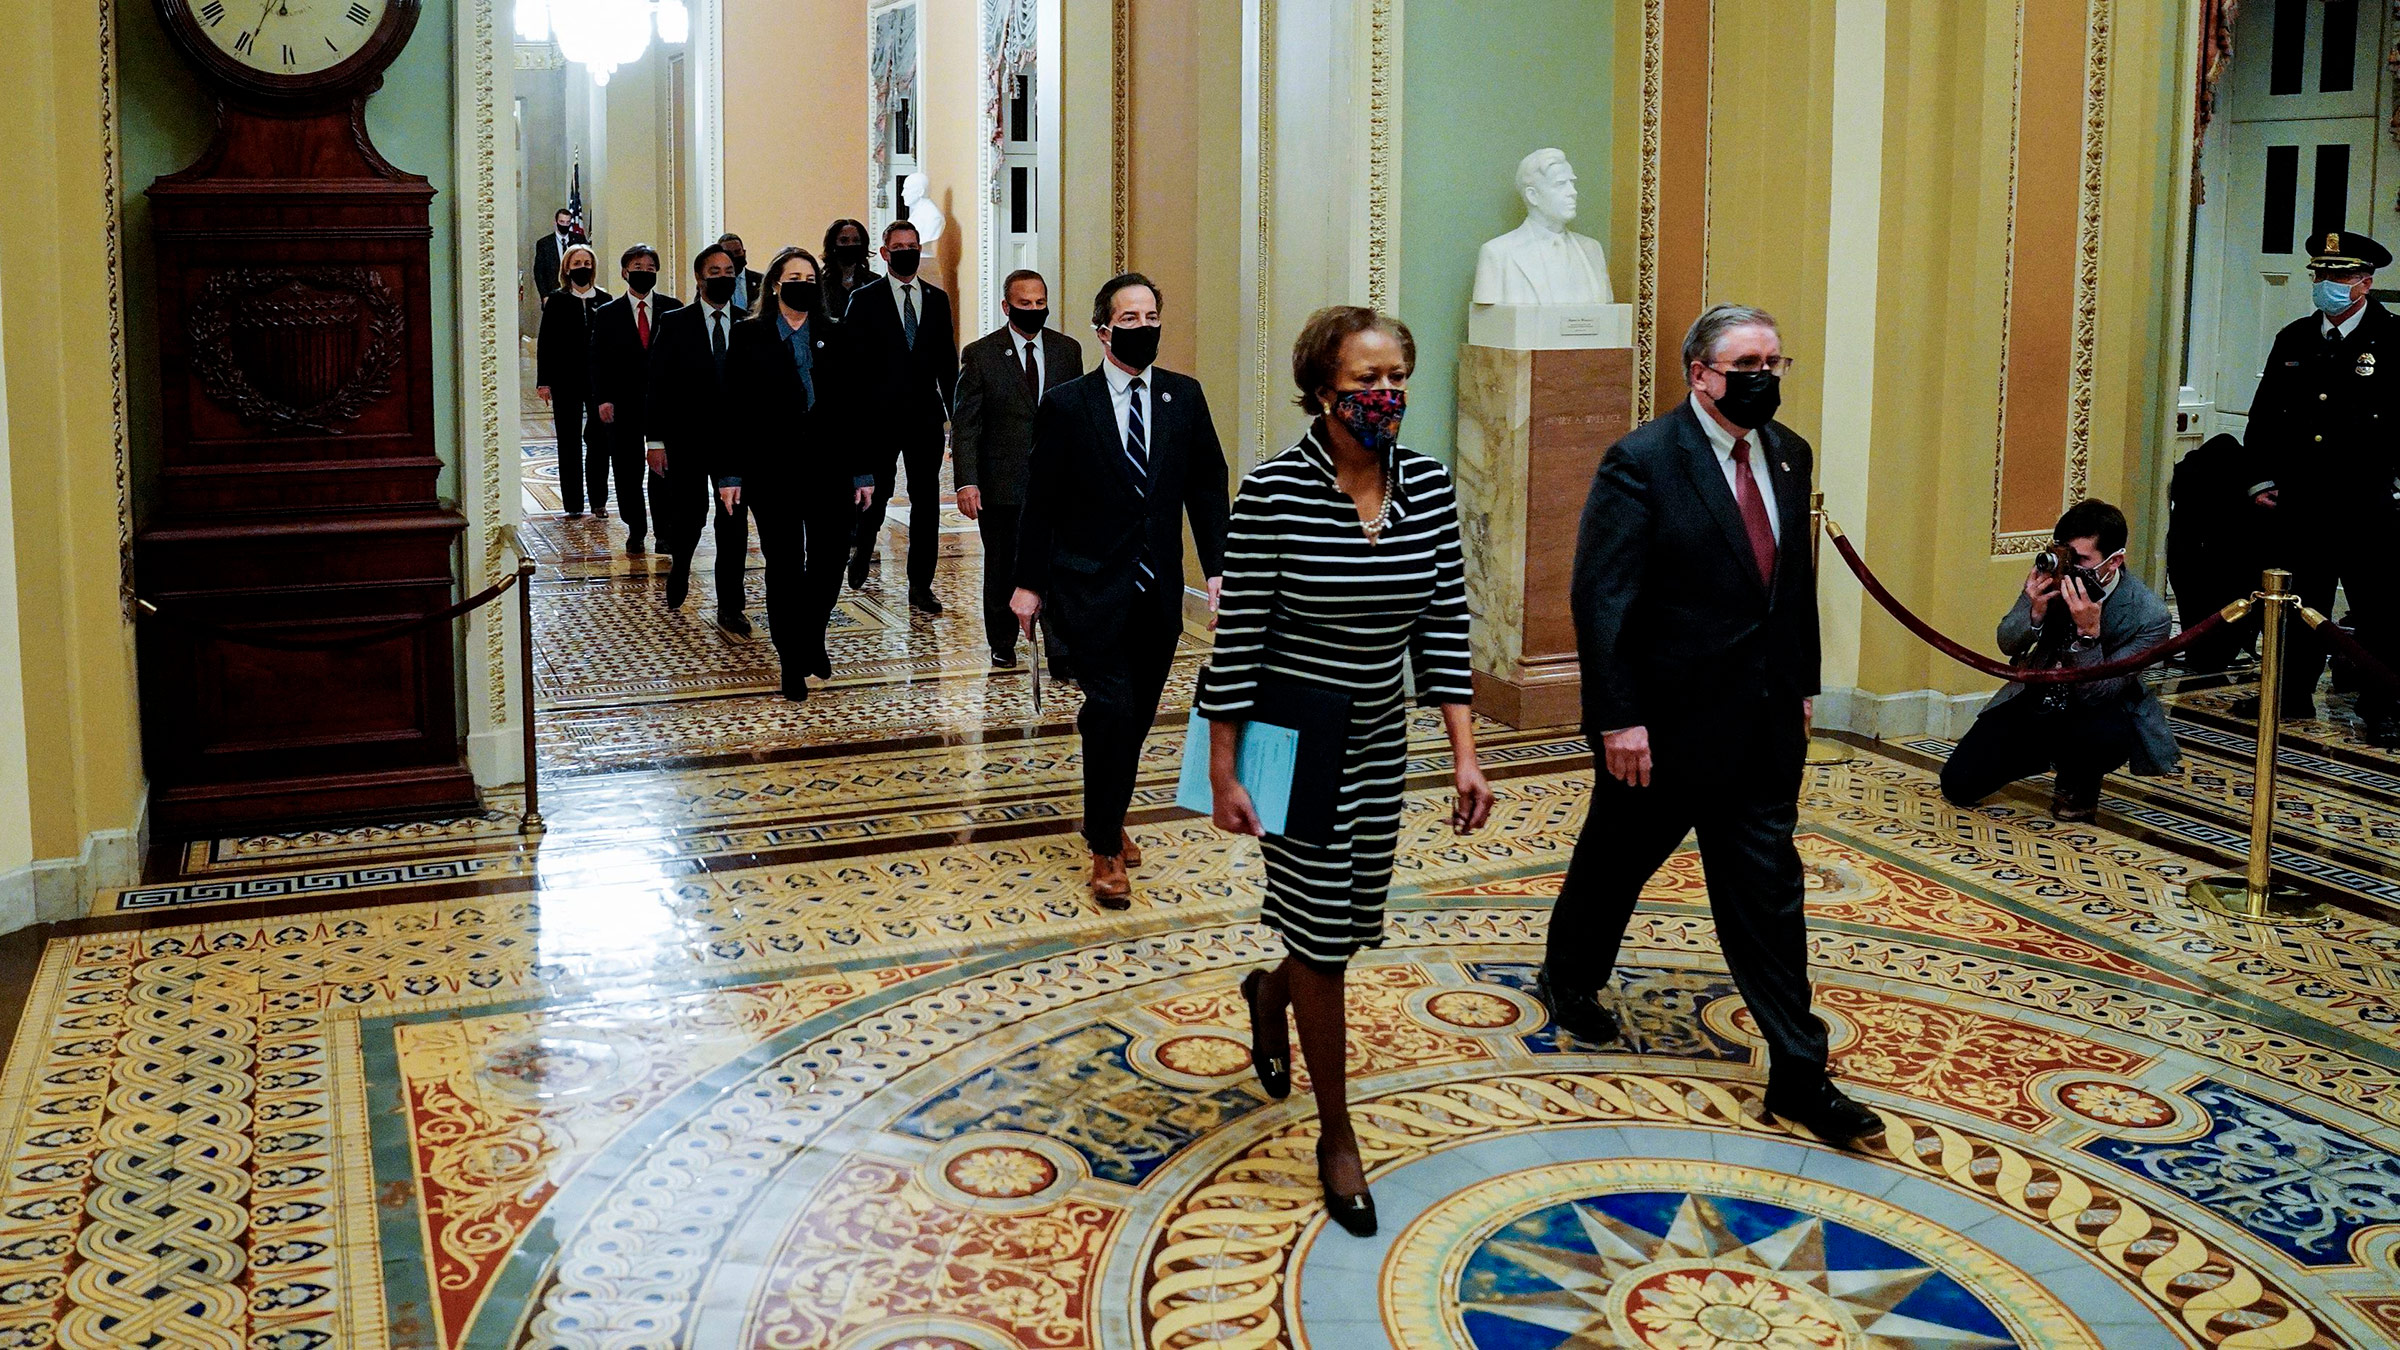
(1342,565)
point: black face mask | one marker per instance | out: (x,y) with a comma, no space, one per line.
(741,262)
(719,290)
(850,255)
(1028,321)
(641,283)
(1136,346)
(905,260)
(580,276)
(1750,398)
(799,295)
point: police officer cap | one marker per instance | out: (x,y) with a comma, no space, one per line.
(2346,251)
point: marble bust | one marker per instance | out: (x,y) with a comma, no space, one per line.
(1542,262)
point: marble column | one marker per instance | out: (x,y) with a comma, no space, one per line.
(1532,426)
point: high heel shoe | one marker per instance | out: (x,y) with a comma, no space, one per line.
(1355,1213)
(1274,1071)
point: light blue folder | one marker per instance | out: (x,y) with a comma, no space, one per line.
(1264,767)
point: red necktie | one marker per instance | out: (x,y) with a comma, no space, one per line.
(641,319)
(1754,513)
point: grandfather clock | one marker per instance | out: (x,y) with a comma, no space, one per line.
(297,499)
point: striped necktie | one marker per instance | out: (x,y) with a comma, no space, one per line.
(1137,455)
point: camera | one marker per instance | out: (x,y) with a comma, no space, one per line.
(2061,564)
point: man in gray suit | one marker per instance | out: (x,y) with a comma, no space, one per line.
(1002,376)
(2084,609)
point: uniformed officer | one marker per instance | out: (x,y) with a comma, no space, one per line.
(2327,460)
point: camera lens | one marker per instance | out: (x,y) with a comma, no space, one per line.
(2046,561)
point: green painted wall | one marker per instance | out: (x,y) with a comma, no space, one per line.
(164,121)
(1485,85)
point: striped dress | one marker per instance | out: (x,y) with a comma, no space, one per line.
(1308,599)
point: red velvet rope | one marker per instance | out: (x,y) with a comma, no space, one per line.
(2348,646)
(2002,670)
(203,628)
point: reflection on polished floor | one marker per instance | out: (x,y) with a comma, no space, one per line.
(798,1029)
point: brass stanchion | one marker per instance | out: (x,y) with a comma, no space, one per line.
(532,822)
(1820,750)
(2255,894)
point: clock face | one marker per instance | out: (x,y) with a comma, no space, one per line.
(289,37)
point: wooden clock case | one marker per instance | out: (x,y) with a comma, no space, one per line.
(297,495)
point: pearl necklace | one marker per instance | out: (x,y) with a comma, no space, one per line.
(1374,529)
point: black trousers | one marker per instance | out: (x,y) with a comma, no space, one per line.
(922,453)
(1123,678)
(1742,796)
(2021,738)
(692,493)
(631,465)
(998,525)
(806,540)
(583,452)
(2353,553)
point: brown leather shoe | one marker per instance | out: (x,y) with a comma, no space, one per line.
(1129,850)
(1111,888)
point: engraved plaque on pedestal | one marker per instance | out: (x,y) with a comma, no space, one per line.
(1532,426)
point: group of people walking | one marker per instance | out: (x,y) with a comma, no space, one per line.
(789,396)
(1336,577)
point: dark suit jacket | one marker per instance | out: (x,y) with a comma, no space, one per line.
(1083,521)
(903,388)
(562,350)
(687,410)
(837,294)
(2316,424)
(545,264)
(787,449)
(751,282)
(620,364)
(1676,632)
(991,424)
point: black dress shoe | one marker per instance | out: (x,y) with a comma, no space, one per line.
(1577,1013)
(795,687)
(1355,1213)
(860,565)
(1004,660)
(2246,709)
(679,585)
(920,598)
(821,664)
(634,549)
(2384,733)
(1274,1071)
(1822,1110)
(734,621)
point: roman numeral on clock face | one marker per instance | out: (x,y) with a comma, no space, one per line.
(242,42)
(288,58)
(358,14)
(212,13)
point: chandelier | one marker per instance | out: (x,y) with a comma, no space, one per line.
(601,35)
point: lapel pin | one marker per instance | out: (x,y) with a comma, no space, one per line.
(1166,398)
(1784,464)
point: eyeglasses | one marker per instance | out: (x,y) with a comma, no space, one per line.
(1778,367)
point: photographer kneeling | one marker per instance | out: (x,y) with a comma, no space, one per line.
(2080,608)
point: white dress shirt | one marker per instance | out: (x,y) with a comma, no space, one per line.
(1121,397)
(1721,441)
(2345,328)
(708,328)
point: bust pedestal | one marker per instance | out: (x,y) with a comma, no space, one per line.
(1532,426)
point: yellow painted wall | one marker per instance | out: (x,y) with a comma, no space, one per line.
(1085,147)
(633,197)
(795,120)
(82,756)
(952,147)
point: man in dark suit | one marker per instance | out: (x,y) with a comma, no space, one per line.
(688,423)
(1002,377)
(748,282)
(547,251)
(1120,457)
(622,331)
(903,347)
(1696,619)
(2325,472)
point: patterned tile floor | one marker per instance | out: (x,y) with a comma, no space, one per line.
(804,1034)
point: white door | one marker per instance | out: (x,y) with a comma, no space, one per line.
(2296,161)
